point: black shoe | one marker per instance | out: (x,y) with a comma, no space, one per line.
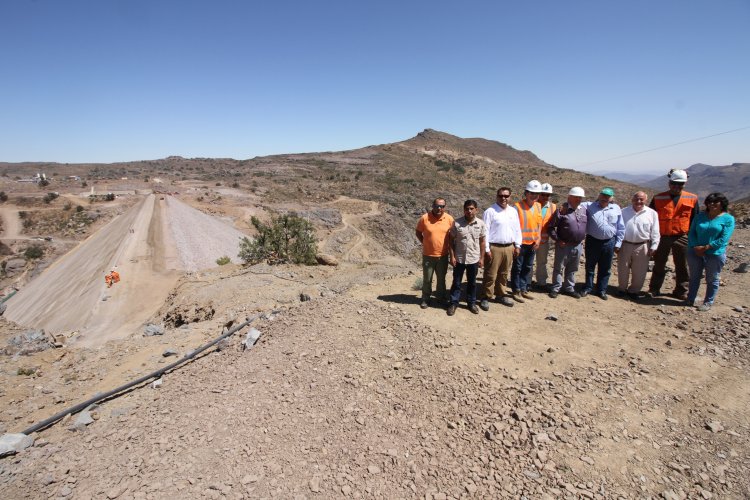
(573,294)
(553,295)
(634,296)
(506,301)
(425,304)
(484,304)
(473,308)
(452,309)
(603,295)
(620,293)
(584,293)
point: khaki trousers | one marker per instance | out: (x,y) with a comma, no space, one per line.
(632,260)
(496,274)
(541,263)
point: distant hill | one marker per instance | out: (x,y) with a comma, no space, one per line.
(404,177)
(732,180)
(640,178)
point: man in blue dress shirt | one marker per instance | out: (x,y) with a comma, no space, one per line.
(604,233)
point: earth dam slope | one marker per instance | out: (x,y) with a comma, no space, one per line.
(149,245)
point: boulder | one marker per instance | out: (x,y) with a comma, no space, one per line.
(29,342)
(10,444)
(15,266)
(326,259)
(150,330)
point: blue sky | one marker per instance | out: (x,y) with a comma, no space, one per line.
(575,82)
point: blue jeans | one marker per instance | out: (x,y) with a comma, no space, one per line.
(471,282)
(599,254)
(712,265)
(523,265)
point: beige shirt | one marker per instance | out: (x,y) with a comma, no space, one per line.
(466,239)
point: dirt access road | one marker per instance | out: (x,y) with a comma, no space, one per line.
(149,245)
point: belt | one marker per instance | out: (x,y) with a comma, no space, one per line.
(635,242)
(500,244)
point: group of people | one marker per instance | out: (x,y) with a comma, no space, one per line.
(509,240)
(111,278)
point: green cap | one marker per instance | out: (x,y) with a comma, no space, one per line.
(608,191)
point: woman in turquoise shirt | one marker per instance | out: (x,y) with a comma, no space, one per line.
(707,247)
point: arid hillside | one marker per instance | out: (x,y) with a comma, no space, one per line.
(352,390)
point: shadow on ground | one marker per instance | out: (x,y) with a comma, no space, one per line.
(399,298)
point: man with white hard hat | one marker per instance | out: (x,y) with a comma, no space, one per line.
(568,230)
(548,208)
(676,209)
(530,219)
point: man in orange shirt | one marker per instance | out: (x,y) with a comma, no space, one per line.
(432,231)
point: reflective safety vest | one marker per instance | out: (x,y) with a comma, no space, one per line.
(546,219)
(531,221)
(674,218)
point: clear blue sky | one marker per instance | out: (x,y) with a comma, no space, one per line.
(573,81)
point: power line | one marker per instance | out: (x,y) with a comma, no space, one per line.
(664,147)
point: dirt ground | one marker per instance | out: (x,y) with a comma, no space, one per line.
(354,391)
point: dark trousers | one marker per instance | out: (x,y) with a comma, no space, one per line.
(678,246)
(599,253)
(523,265)
(471,282)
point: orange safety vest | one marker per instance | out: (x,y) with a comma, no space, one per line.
(674,218)
(546,219)
(531,222)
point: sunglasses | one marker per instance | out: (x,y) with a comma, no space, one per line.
(503,196)
(438,206)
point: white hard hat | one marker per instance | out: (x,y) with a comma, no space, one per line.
(576,191)
(547,188)
(677,175)
(534,186)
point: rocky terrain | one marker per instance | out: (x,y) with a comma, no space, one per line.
(354,391)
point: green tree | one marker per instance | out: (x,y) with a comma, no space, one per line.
(34,252)
(287,238)
(49,197)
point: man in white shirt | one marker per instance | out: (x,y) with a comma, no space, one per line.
(503,244)
(640,242)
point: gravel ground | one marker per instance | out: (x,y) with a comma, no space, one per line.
(346,398)
(200,239)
